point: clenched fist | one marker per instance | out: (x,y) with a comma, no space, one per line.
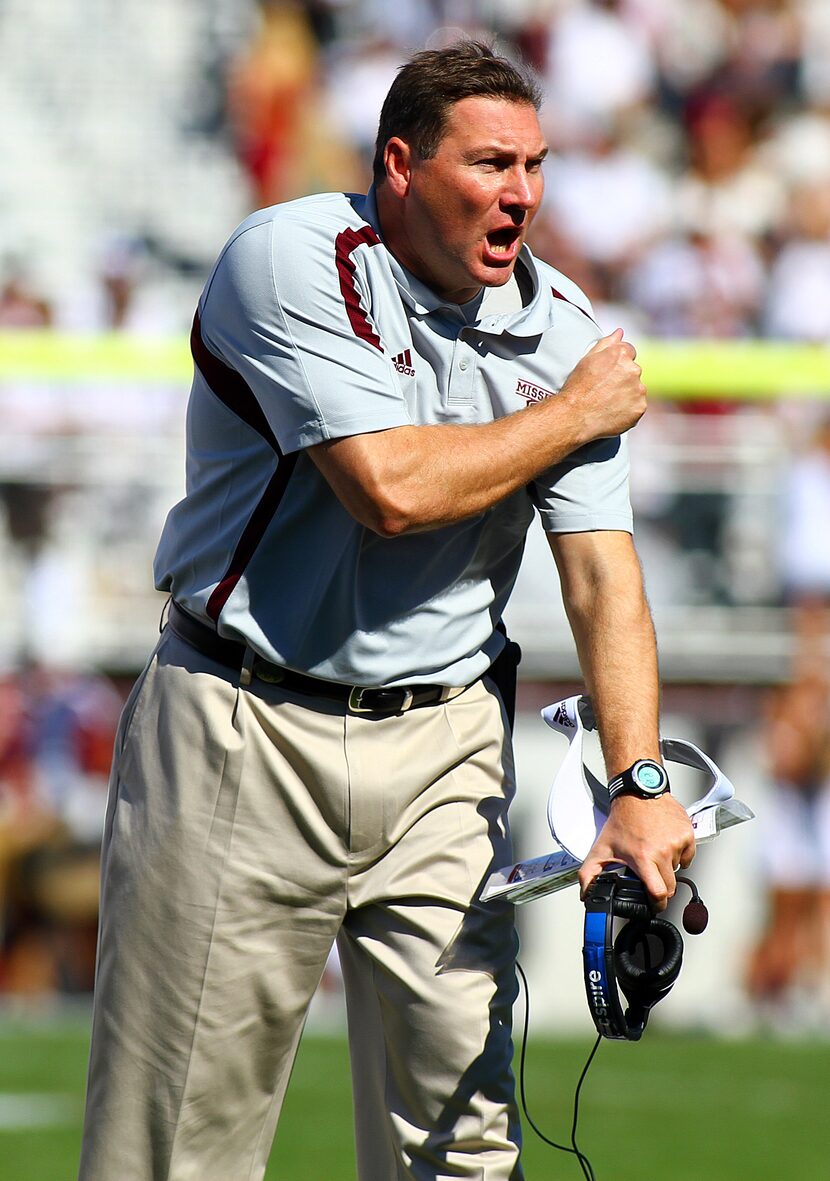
(604,388)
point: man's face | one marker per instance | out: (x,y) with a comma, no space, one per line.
(466,210)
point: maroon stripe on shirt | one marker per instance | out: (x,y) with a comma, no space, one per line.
(345,244)
(229,386)
(252,534)
(564,298)
(234,392)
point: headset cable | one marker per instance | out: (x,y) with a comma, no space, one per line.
(573,1149)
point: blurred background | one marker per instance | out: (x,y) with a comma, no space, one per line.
(688,192)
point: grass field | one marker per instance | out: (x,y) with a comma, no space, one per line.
(680,1107)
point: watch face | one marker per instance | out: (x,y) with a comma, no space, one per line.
(650,777)
(646,779)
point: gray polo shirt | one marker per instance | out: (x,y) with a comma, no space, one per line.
(308,329)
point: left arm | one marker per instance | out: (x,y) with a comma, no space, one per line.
(605,601)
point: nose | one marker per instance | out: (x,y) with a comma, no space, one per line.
(521,192)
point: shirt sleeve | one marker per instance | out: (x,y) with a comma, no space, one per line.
(587,491)
(287,309)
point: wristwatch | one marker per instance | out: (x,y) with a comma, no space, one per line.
(645,778)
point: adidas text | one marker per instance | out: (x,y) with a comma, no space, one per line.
(403,363)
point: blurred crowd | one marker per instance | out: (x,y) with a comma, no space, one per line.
(689,179)
(56,734)
(687,191)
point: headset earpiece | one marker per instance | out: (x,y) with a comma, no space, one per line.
(626,908)
(632,945)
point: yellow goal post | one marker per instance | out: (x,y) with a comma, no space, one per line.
(742,370)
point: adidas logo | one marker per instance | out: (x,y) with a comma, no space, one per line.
(403,363)
(562,719)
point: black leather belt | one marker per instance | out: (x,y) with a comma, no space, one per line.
(360,700)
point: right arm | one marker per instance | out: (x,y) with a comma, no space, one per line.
(322,380)
(413,478)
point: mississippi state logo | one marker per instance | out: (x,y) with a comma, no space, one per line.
(403,363)
(531,392)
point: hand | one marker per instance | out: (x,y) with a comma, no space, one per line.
(605,388)
(651,837)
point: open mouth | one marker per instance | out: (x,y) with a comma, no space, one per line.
(504,241)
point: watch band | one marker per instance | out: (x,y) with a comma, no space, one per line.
(646,779)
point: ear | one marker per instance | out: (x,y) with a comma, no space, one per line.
(397,157)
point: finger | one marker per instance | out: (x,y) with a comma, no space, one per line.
(606,341)
(586,876)
(589,870)
(660,885)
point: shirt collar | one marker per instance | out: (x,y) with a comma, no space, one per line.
(534,318)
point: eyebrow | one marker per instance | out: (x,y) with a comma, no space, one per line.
(493,149)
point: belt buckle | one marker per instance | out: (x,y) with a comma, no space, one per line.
(271,674)
(356,705)
(355,698)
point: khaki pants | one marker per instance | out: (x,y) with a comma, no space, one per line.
(245,832)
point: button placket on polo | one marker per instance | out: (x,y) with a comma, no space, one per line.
(462,375)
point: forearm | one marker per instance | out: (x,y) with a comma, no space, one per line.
(409,479)
(614,636)
(423,477)
(611,622)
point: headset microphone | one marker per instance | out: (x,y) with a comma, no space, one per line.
(695,916)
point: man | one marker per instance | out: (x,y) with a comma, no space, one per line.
(385,386)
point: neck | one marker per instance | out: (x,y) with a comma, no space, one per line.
(398,241)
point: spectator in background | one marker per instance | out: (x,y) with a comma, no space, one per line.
(356,85)
(120,275)
(24,823)
(726,188)
(791,960)
(804,533)
(763,41)
(697,284)
(793,952)
(73,717)
(16,774)
(798,293)
(599,69)
(814,66)
(267,85)
(689,43)
(707,278)
(283,138)
(56,736)
(610,233)
(21,305)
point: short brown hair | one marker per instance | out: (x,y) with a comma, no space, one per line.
(433,80)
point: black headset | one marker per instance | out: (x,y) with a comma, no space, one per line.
(644,958)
